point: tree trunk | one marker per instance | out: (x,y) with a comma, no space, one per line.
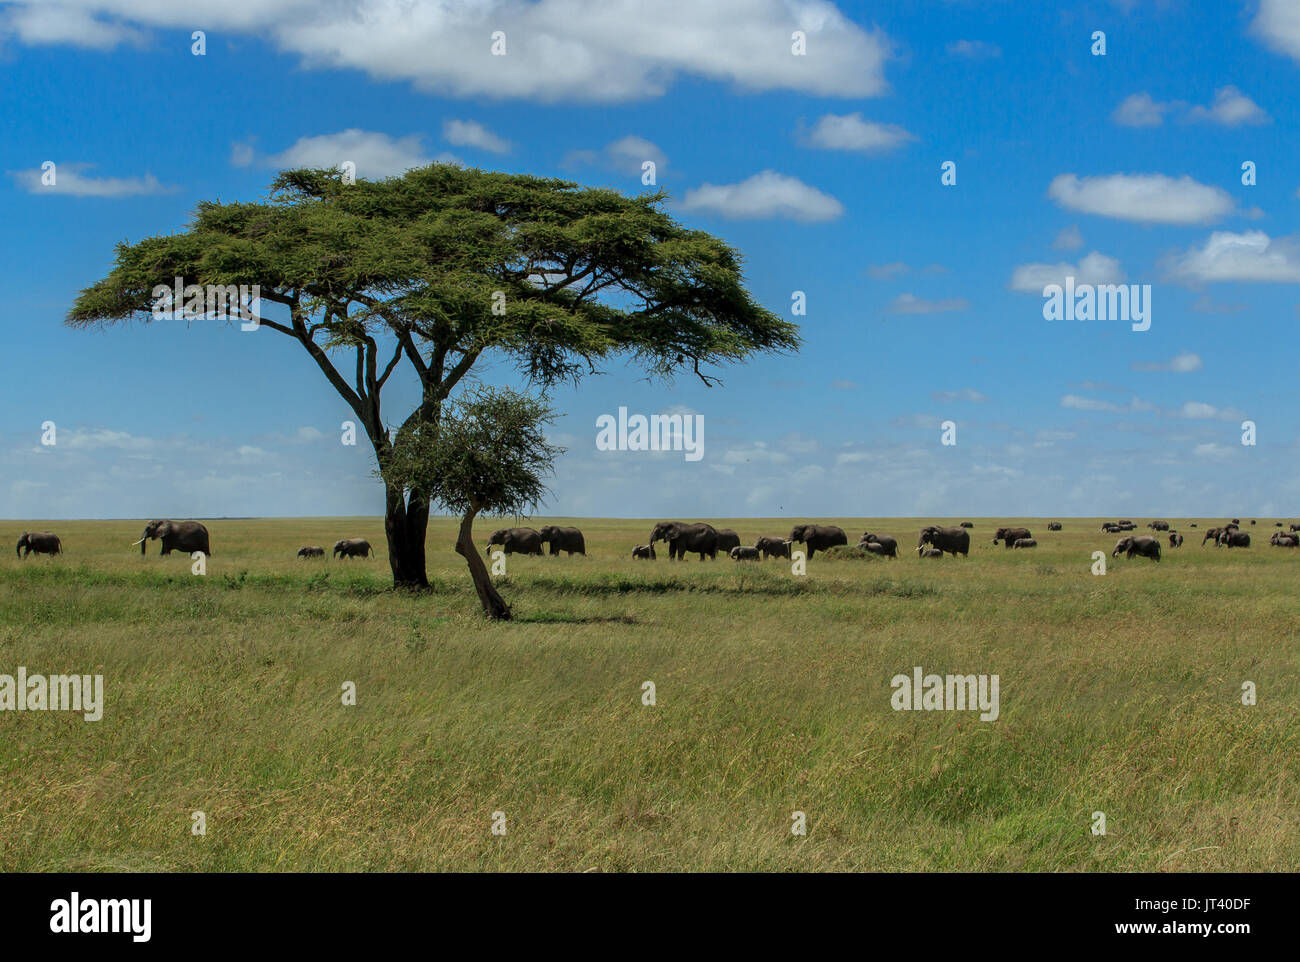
(405,524)
(493,604)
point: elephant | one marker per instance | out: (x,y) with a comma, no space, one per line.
(1252,520)
(1053,526)
(564,539)
(1236,521)
(1281,540)
(1009,536)
(1234,539)
(875,547)
(773,547)
(1295,527)
(967,524)
(351,548)
(644,552)
(953,540)
(1146,546)
(1158,525)
(1211,534)
(311,551)
(929,552)
(1192,525)
(745,553)
(889,544)
(699,538)
(516,541)
(727,539)
(187,536)
(39,542)
(1110,527)
(1175,539)
(818,537)
(1025,543)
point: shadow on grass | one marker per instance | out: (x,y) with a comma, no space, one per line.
(566,618)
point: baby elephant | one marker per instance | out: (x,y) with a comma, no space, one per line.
(41,542)
(352,548)
(311,551)
(930,552)
(1175,539)
(644,552)
(773,547)
(1025,543)
(875,547)
(745,553)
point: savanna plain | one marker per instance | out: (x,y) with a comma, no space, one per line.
(1119,693)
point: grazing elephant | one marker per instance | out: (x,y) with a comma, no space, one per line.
(516,541)
(1281,540)
(727,539)
(885,541)
(745,553)
(351,548)
(1009,536)
(698,538)
(967,524)
(1295,527)
(956,541)
(1053,526)
(1252,520)
(187,536)
(1145,546)
(1232,538)
(773,547)
(39,542)
(1025,543)
(644,552)
(1211,534)
(311,551)
(1158,525)
(875,547)
(818,537)
(929,552)
(1175,539)
(564,539)
(1236,521)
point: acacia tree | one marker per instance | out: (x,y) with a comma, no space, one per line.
(444,265)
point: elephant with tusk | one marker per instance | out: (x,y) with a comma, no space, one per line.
(699,538)
(187,536)
(955,541)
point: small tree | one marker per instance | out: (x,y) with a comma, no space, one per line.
(487,455)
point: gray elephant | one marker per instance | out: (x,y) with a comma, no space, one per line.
(727,539)
(187,536)
(644,552)
(818,537)
(875,547)
(1294,527)
(351,548)
(1144,546)
(311,551)
(887,542)
(699,538)
(1009,536)
(1158,525)
(1053,526)
(1025,543)
(516,541)
(39,542)
(1234,539)
(1211,534)
(773,547)
(967,524)
(929,552)
(1281,540)
(1175,539)
(955,541)
(745,553)
(564,539)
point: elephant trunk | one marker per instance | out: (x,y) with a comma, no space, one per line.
(19,550)
(144,541)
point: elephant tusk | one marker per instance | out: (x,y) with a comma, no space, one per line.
(134,543)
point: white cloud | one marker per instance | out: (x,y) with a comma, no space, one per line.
(1231,108)
(1184,363)
(965,394)
(1200,411)
(65,24)
(556,50)
(1144,198)
(766,194)
(851,132)
(1139,110)
(470,133)
(1249,256)
(70,181)
(887,272)
(1068,239)
(911,304)
(309,434)
(1093,268)
(974,50)
(625,155)
(96,439)
(1278,24)
(375,154)
(1079,403)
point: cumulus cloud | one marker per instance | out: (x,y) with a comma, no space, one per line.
(852,132)
(470,133)
(911,304)
(765,195)
(556,50)
(1230,108)
(1248,256)
(375,154)
(1278,24)
(625,155)
(1093,268)
(70,180)
(1139,110)
(1184,363)
(59,24)
(1144,198)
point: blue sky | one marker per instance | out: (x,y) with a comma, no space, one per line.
(924,301)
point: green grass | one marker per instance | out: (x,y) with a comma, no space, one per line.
(1118,694)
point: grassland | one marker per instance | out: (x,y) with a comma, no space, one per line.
(1119,694)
